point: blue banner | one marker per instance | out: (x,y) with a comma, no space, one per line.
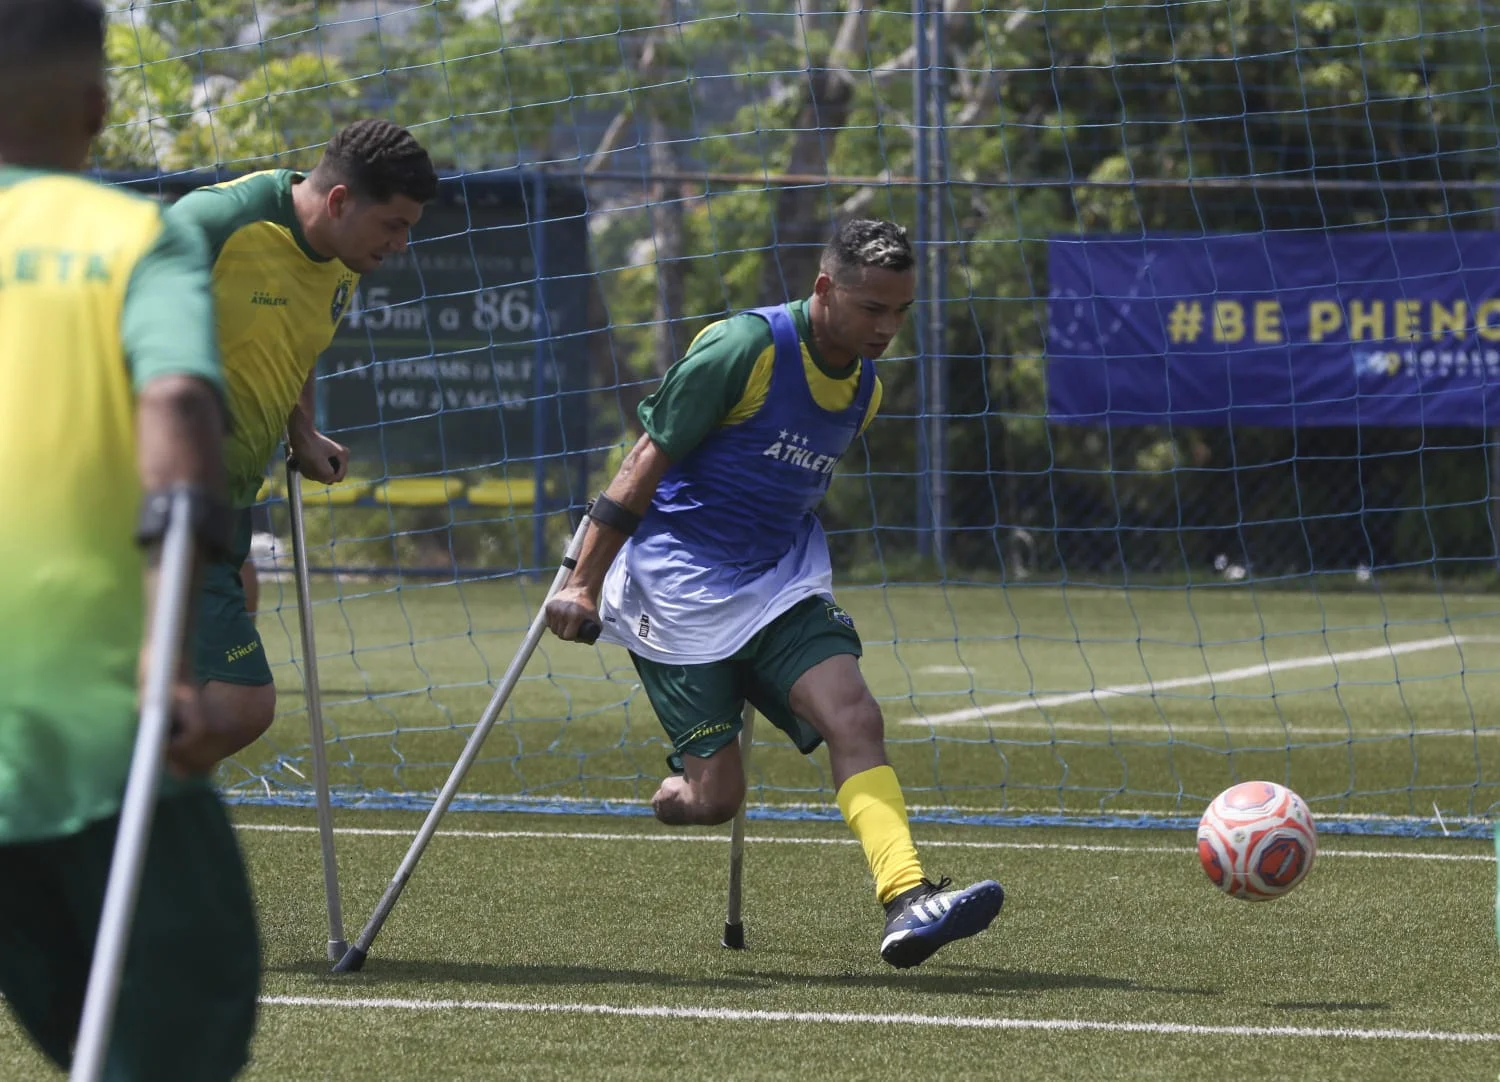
(1278,329)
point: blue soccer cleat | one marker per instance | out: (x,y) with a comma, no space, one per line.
(920,920)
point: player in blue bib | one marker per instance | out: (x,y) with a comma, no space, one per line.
(707,562)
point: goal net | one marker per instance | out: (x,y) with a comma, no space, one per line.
(1184,473)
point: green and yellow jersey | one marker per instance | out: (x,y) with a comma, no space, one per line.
(278,303)
(98,296)
(725,376)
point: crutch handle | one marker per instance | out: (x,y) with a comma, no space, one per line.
(291,462)
(588,634)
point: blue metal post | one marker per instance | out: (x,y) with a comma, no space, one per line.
(543,332)
(937,288)
(923,172)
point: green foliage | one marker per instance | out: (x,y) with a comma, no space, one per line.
(188,92)
(280,113)
(151,98)
(1093,116)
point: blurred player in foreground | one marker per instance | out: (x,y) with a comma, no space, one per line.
(109,395)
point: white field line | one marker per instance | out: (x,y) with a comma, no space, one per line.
(1164,729)
(941,1021)
(1247,672)
(772,839)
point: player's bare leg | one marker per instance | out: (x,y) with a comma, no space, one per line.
(921,915)
(707,792)
(239,714)
(833,698)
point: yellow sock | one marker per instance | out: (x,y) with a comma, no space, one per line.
(875,810)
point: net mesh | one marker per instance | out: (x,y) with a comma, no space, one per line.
(1062,622)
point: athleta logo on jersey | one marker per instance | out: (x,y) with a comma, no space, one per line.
(260,296)
(791,448)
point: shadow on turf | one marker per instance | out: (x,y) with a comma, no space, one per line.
(979,980)
(397,971)
(1332,1005)
(934,980)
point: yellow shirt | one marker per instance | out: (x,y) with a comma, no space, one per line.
(98,296)
(277,305)
(725,377)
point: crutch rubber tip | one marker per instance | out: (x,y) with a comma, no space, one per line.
(352,961)
(734,936)
(337,948)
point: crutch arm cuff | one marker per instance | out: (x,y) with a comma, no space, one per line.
(212,519)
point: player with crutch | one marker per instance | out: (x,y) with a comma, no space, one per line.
(125,901)
(707,563)
(287,251)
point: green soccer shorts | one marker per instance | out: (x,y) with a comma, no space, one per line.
(187,1001)
(700,706)
(226,644)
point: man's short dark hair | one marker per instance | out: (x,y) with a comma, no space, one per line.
(34,30)
(867,242)
(377,160)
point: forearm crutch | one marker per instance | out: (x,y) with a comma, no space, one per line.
(734,925)
(139,806)
(354,958)
(313,695)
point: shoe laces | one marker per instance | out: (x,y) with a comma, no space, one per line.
(920,893)
(938,887)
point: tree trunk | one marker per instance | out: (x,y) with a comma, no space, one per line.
(667,235)
(804,216)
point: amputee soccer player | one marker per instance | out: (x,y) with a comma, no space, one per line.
(109,392)
(715,572)
(287,251)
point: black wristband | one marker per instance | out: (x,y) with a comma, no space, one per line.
(616,516)
(211,518)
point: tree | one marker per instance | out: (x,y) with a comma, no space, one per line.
(1088,117)
(221,84)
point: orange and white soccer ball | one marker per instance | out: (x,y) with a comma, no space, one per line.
(1257,840)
